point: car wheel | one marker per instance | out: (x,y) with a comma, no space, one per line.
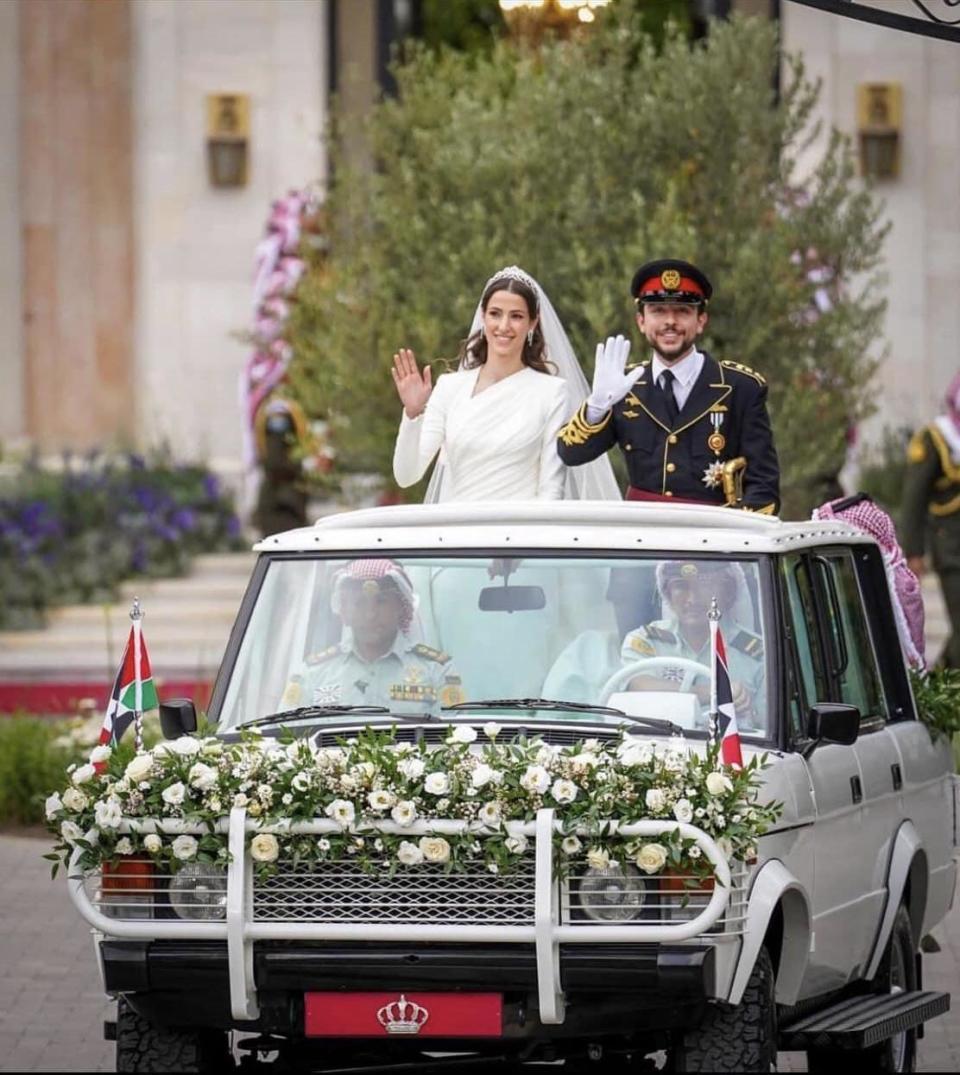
(740,1038)
(897,973)
(143,1047)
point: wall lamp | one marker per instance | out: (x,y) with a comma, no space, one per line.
(228,139)
(879,119)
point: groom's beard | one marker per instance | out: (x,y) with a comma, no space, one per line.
(670,353)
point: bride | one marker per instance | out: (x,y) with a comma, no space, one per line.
(494,421)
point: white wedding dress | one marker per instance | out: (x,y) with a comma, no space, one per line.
(496,444)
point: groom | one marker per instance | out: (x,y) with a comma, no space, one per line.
(684,421)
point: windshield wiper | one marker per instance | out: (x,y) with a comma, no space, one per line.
(326,710)
(559,705)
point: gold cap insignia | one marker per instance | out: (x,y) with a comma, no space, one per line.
(670,279)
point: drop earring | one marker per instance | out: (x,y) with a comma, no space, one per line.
(530,338)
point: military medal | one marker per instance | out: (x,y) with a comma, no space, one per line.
(716,442)
(713,475)
(327,694)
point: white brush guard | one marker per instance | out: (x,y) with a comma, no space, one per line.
(545,930)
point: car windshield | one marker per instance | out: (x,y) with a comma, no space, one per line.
(418,634)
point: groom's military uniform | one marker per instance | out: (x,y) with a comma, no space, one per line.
(684,456)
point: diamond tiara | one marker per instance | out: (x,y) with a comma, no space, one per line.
(514,272)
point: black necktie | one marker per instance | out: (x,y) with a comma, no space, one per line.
(666,387)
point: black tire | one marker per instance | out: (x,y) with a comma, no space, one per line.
(740,1038)
(143,1047)
(897,971)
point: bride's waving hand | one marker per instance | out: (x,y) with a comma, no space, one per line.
(413,388)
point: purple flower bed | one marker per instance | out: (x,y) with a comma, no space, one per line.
(73,535)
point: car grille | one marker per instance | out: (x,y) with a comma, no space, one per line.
(423,895)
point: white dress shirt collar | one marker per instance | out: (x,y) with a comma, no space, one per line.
(686,371)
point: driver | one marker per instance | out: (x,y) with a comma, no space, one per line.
(687,589)
(377,662)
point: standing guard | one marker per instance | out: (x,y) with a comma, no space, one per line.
(692,429)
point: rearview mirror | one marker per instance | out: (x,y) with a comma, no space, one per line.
(512,599)
(833,722)
(178,717)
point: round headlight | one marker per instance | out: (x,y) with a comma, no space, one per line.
(611,893)
(199,891)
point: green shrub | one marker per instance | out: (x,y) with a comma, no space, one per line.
(33,756)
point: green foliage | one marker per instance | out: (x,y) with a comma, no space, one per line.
(33,756)
(579,161)
(937,694)
(74,533)
(468,24)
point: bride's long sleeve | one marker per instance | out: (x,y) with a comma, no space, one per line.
(419,439)
(552,474)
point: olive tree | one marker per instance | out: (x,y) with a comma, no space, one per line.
(579,161)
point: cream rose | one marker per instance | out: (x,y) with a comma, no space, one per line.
(437,784)
(83,773)
(381,800)
(264,847)
(683,810)
(409,854)
(598,858)
(516,845)
(342,811)
(435,849)
(185,847)
(481,776)
(123,846)
(100,754)
(174,795)
(411,768)
(202,776)
(71,831)
(152,843)
(404,813)
(139,768)
(75,800)
(651,858)
(536,780)
(463,733)
(718,783)
(655,800)
(491,729)
(490,814)
(108,813)
(564,791)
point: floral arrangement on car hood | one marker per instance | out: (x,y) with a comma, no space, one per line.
(114,808)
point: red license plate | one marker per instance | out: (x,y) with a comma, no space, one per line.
(403,1015)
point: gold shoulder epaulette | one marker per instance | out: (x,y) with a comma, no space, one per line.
(750,644)
(641,645)
(323,655)
(578,430)
(729,364)
(917,448)
(431,654)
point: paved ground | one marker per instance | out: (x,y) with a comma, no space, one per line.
(52,1008)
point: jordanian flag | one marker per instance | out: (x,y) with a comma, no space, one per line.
(133,690)
(725,714)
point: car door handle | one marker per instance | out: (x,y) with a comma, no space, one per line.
(897,776)
(856,789)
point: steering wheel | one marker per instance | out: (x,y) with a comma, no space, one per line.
(691,669)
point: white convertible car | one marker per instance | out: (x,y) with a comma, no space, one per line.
(564,621)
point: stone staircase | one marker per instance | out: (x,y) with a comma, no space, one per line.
(186,625)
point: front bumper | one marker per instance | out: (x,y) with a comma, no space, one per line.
(624,988)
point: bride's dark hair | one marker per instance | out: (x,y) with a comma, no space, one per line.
(473,350)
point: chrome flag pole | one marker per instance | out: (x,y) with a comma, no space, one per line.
(136,615)
(714,617)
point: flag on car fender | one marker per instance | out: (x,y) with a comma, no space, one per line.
(133,690)
(722,707)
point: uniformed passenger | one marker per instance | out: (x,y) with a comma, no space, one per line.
(687,589)
(377,663)
(687,424)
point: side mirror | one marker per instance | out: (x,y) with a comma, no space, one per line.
(512,599)
(833,722)
(178,717)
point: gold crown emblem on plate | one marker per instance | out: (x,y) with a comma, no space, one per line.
(670,279)
(402,1016)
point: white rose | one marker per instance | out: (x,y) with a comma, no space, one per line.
(631,755)
(265,793)
(71,831)
(409,854)
(108,813)
(412,768)
(75,800)
(404,813)
(186,746)
(683,810)
(240,799)
(53,804)
(139,768)
(651,857)
(82,774)
(585,760)
(264,847)
(435,849)
(175,794)
(463,733)
(381,800)
(123,846)
(516,845)
(185,847)
(536,780)
(437,784)
(655,800)
(152,843)
(564,791)
(481,776)
(571,845)
(490,814)
(301,782)
(100,754)
(718,783)
(491,729)
(342,811)
(598,858)
(202,776)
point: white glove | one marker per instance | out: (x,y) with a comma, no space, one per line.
(610,382)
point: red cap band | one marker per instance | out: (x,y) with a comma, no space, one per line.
(655,283)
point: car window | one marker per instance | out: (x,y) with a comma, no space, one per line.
(416,633)
(801,609)
(853,664)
